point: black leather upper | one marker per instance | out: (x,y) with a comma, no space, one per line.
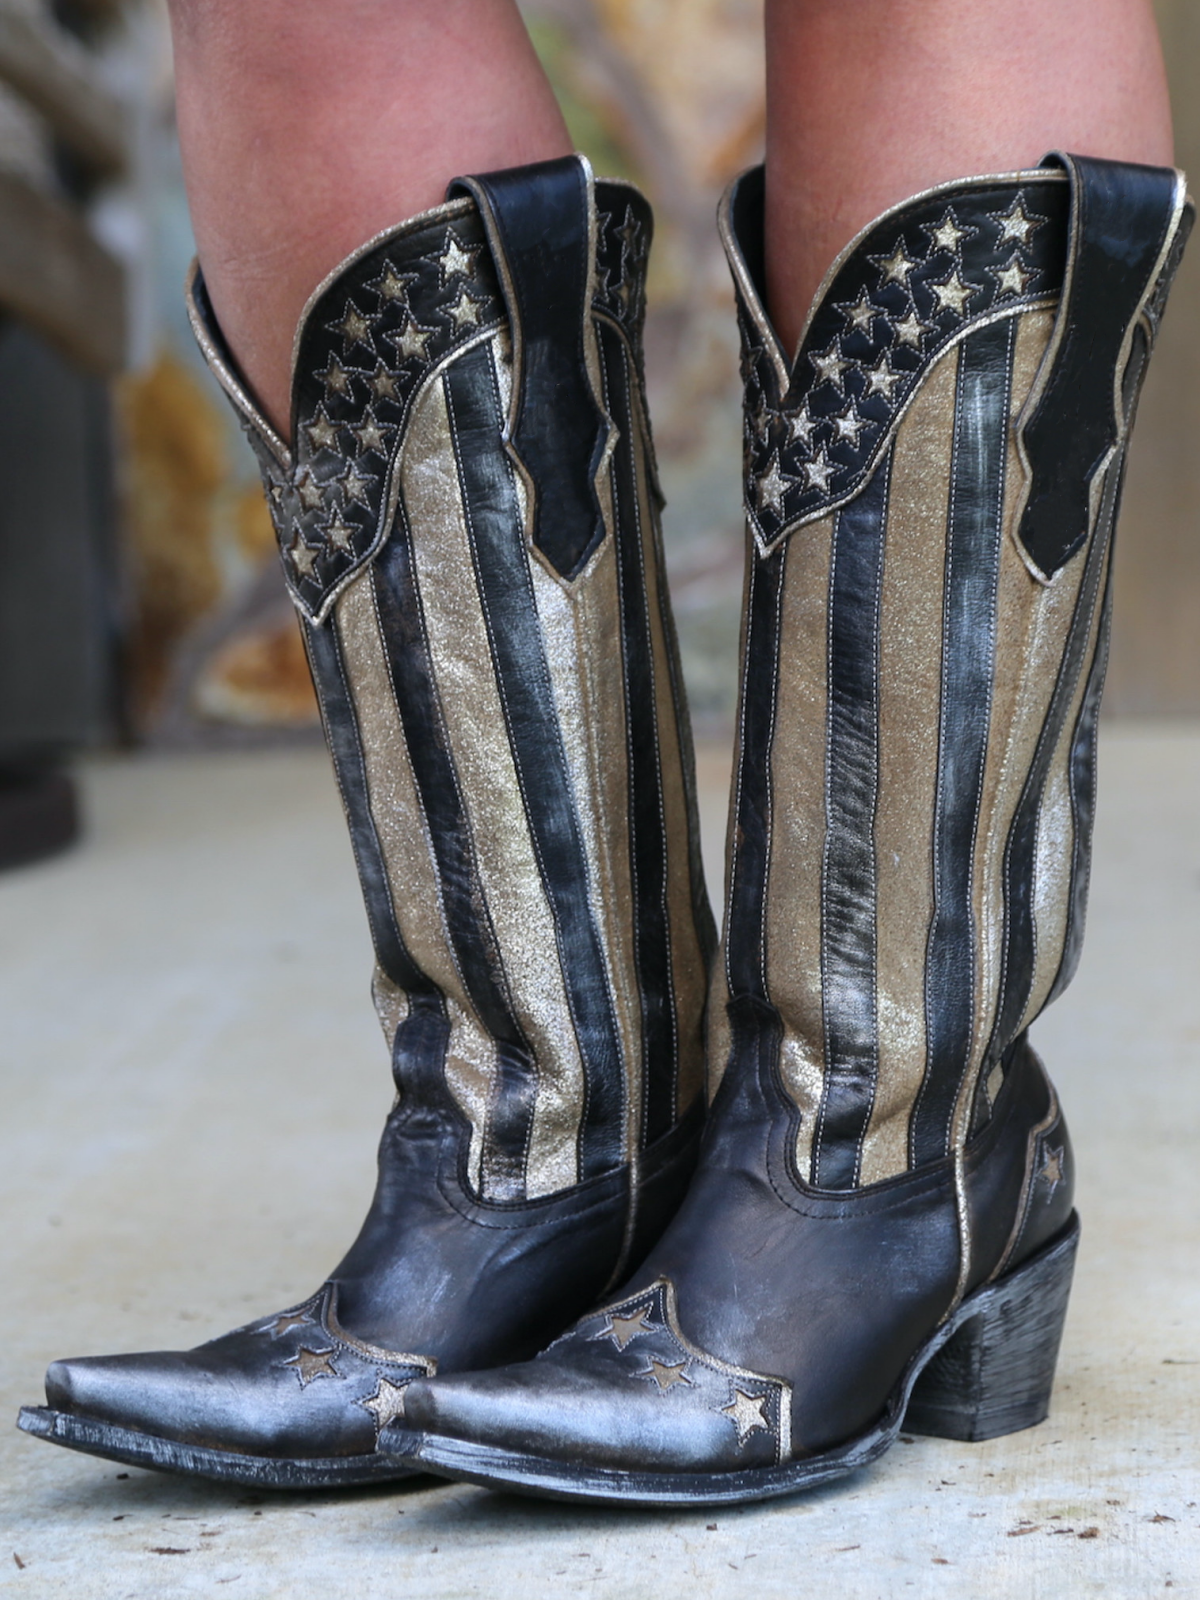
(539,216)
(1122,217)
(786,1294)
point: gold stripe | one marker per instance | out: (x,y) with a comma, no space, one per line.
(1053,857)
(391,1003)
(490,790)
(689,972)
(797,840)
(910,684)
(407,853)
(1032,623)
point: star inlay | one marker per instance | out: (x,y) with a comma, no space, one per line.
(953,294)
(861,314)
(356,484)
(1052,1167)
(322,434)
(354,327)
(622,1329)
(393,285)
(456,260)
(386,1404)
(410,342)
(383,383)
(896,267)
(1011,278)
(800,427)
(947,234)
(310,491)
(772,486)
(745,1411)
(370,435)
(335,377)
(666,1374)
(464,313)
(882,380)
(339,533)
(1015,224)
(911,330)
(830,364)
(849,425)
(819,470)
(311,1364)
(286,1321)
(304,557)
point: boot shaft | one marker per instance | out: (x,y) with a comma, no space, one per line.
(468,519)
(931,491)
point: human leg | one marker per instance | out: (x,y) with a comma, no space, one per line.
(307,129)
(869,101)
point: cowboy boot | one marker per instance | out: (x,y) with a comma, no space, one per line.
(468,515)
(881,1227)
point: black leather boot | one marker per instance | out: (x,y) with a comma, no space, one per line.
(881,1227)
(468,515)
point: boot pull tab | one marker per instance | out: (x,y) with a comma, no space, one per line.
(1124,221)
(540,223)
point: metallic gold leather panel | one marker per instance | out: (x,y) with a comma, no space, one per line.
(489,789)
(391,1003)
(910,669)
(793,917)
(1054,856)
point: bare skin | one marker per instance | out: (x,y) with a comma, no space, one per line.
(870,101)
(306,129)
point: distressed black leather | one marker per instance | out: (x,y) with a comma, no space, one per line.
(1122,220)
(832,1292)
(469,1283)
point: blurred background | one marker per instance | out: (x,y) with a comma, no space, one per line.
(140,601)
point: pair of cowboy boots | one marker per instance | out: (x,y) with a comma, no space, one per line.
(873,1224)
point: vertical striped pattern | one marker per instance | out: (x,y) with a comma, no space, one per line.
(394,807)
(510,757)
(914,773)
(473,711)
(968,644)
(500,560)
(848,868)
(910,670)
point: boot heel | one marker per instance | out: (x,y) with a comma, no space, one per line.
(994,1375)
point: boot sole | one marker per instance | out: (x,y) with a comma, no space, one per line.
(224,1466)
(987,1371)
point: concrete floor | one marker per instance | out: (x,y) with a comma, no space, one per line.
(187,1044)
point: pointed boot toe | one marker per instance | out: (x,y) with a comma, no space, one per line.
(289,1400)
(115,1389)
